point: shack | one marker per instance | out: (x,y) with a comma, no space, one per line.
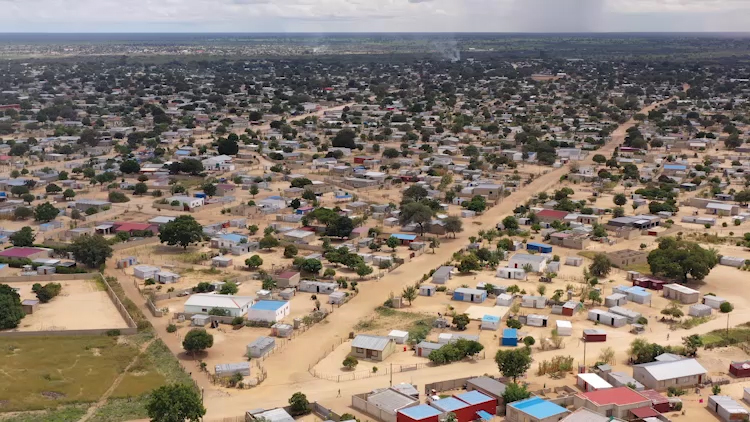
(229,369)
(261,346)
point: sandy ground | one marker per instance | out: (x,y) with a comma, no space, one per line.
(80,306)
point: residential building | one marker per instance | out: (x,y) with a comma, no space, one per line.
(376,348)
(659,376)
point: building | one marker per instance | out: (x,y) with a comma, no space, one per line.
(659,402)
(699,310)
(487,386)
(564,328)
(534,409)
(510,337)
(613,402)
(538,247)
(548,216)
(383,404)
(592,335)
(591,382)
(144,272)
(376,348)
(481,406)
(621,379)
(203,303)
(727,409)
(310,286)
(442,274)
(607,318)
(260,347)
(421,413)
(187,202)
(681,293)
(740,369)
(229,369)
(538,263)
(287,279)
(424,348)
(269,310)
(427,290)
(273,415)
(627,257)
(490,322)
(713,301)
(659,376)
(585,415)
(26,252)
(400,337)
(511,273)
(465,294)
(652,283)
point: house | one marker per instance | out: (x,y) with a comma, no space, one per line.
(627,257)
(487,386)
(592,335)
(661,375)
(536,263)
(85,204)
(511,273)
(133,228)
(681,293)
(585,415)
(490,322)
(536,302)
(607,318)
(427,290)
(29,306)
(442,274)
(727,409)
(400,337)
(421,413)
(317,287)
(465,294)
(659,402)
(460,409)
(260,347)
(652,283)
(699,310)
(631,315)
(337,298)
(26,252)
(273,415)
(634,294)
(615,299)
(504,299)
(621,379)
(166,277)
(564,328)
(612,402)
(383,404)
(534,409)
(538,247)
(203,303)
(229,369)
(481,406)
(591,382)
(376,348)
(287,279)
(424,348)
(549,216)
(269,310)
(713,301)
(740,369)
(298,236)
(144,272)
(221,261)
(510,337)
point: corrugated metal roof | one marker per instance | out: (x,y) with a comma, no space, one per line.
(368,342)
(673,369)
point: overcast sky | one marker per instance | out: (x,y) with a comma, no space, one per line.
(320,16)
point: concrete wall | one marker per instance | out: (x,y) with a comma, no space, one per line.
(49,278)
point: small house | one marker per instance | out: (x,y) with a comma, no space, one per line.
(29,306)
(229,369)
(199,320)
(442,274)
(631,316)
(321,287)
(536,263)
(564,328)
(533,320)
(203,303)
(481,406)
(376,348)
(465,294)
(260,347)
(221,261)
(490,322)
(127,262)
(740,369)
(621,379)
(145,271)
(504,299)
(680,293)
(398,336)
(427,290)
(269,310)
(461,410)
(570,308)
(538,247)
(727,409)
(337,298)
(510,337)
(620,402)
(607,318)
(282,330)
(684,373)
(424,348)
(487,386)
(287,279)
(536,302)
(699,310)
(594,336)
(534,409)
(166,277)
(511,273)
(420,413)
(615,299)
(713,301)
(288,293)
(591,382)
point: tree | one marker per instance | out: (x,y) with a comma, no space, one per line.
(595,296)
(19,190)
(416,192)
(11,310)
(69,193)
(409,293)
(229,288)
(599,159)
(45,212)
(254,262)
(392,243)
(340,227)
(227,146)
(47,292)
(254,190)
(477,204)
(300,182)
(53,188)
(513,363)
(23,237)
(350,362)
(22,213)
(197,340)
(130,167)
(92,250)
(680,259)
(601,265)
(298,404)
(453,224)
(692,343)
(620,199)
(28,198)
(209,189)
(268,242)
(175,403)
(344,139)
(290,251)
(461,321)
(416,213)
(391,153)
(140,189)
(363,270)
(514,392)
(311,266)
(181,231)
(510,223)
(726,308)
(469,263)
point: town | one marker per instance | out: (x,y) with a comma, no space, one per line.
(397,240)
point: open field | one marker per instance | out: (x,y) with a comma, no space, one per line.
(82,305)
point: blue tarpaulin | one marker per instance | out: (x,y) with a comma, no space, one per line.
(484,415)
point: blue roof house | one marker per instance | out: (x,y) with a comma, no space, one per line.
(510,337)
(269,310)
(535,409)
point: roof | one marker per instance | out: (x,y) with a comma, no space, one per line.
(524,257)
(401,236)
(422,411)
(126,227)
(449,404)
(559,215)
(236,238)
(585,415)
(644,412)
(474,397)
(538,408)
(491,318)
(594,380)
(275,415)
(654,396)
(364,341)
(429,345)
(728,404)
(21,252)
(262,342)
(287,274)
(673,369)
(720,206)
(510,333)
(268,305)
(389,400)
(680,288)
(489,385)
(619,396)
(218,301)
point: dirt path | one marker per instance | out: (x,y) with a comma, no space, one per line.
(103,399)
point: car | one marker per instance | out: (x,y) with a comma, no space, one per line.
(183,294)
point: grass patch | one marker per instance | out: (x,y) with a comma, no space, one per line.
(43,372)
(132,308)
(723,338)
(588,254)
(61,414)
(118,410)
(693,322)
(641,268)
(417,324)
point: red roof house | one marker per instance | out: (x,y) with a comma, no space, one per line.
(135,227)
(549,216)
(618,402)
(24,252)
(658,401)
(740,369)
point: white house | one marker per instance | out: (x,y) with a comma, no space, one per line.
(203,303)
(269,310)
(145,271)
(538,263)
(511,273)
(187,201)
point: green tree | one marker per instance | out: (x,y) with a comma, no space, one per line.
(514,392)
(197,340)
(680,259)
(254,262)
(11,311)
(22,213)
(229,288)
(140,189)
(311,266)
(392,243)
(28,198)
(23,237)
(227,146)
(69,193)
(510,223)
(254,190)
(620,199)
(363,270)
(513,363)
(53,188)
(130,167)
(477,204)
(350,362)
(469,263)
(300,182)
(409,293)
(45,212)
(461,321)
(92,250)
(182,231)
(453,224)
(416,213)
(209,189)
(726,308)
(298,404)
(600,266)
(290,251)
(175,403)
(268,242)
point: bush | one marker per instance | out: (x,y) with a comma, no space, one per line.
(171,328)
(238,320)
(290,251)
(118,197)
(726,308)
(529,341)
(513,323)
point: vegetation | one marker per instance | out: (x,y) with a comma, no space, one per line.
(197,340)
(455,351)
(11,311)
(513,363)
(91,250)
(175,403)
(23,237)
(680,259)
(182,231)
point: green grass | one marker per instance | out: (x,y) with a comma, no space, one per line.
(641,268)
(588,254)
(62,414)
(118,410)
(723,338)
(693,322)
(44,372)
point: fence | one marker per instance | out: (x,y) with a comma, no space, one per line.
(446,385)
(359,402)
(49,278)
(352,376)
(135,243)
(324,412)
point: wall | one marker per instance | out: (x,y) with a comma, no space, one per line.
(49,278)
(360,403)
(446,385)
(135,243)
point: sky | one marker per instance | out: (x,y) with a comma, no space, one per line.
(323,16)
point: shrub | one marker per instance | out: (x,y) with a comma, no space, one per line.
(238,320)
(171,328)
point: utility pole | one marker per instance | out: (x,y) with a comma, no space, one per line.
(391,374)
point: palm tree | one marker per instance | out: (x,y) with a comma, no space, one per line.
(409,293)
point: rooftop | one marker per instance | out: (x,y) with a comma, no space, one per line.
(449,404)
(474,397)
(268,305)
(538,408)
(364,341)
(422,411)
(673,369)
(619,396)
